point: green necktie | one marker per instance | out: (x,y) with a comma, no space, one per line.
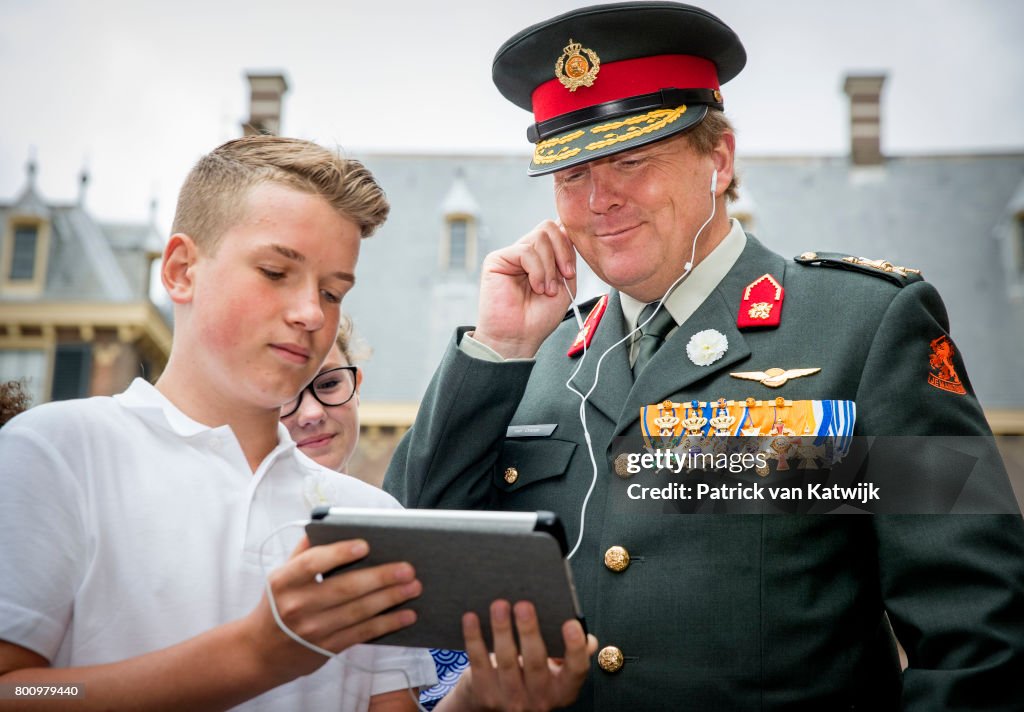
(653,335)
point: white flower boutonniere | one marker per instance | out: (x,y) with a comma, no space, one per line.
(706,347)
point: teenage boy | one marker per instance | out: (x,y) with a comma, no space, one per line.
(131,527)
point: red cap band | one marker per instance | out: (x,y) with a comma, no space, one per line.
(621,80)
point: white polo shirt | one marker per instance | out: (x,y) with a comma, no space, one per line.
(127,527)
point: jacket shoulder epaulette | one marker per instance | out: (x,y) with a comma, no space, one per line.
(584,308)
(900,276)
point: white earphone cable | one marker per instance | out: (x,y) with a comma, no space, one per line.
(688,268)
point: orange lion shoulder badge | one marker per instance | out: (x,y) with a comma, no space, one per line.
(943,373)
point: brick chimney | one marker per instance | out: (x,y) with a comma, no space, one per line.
(266,96)
(865,92)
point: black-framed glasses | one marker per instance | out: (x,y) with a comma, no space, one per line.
(335,386)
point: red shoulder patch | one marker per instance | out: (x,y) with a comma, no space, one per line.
(761,305)
(943,373)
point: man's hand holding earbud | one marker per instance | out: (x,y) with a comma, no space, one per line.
(522,297)
(519,677)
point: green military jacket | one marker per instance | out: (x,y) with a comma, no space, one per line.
(749,611)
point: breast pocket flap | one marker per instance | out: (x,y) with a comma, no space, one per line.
(524,462)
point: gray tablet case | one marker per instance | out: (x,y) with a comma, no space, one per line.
(465,560)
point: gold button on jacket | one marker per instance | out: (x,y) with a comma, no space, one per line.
(511,475)
(616,558)
(622,466)
(610,659)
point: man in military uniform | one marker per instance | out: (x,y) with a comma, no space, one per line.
(704,610)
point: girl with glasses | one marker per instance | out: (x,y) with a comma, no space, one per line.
(324,419)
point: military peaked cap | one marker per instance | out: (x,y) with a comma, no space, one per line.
(608,78)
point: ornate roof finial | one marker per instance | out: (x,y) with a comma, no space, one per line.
(83,185)
(31,167)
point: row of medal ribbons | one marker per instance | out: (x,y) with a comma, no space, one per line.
(823,421)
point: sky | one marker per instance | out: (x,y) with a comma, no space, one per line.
(135,90)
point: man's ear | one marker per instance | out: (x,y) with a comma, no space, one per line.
(177,271)
(723,156)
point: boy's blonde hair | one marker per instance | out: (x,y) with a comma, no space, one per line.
(212,199)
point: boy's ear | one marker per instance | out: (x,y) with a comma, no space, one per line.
(177,271)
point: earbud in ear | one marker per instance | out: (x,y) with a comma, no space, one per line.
(714,181)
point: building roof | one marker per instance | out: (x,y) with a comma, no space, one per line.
(88,261)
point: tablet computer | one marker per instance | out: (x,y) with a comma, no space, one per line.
(465,560)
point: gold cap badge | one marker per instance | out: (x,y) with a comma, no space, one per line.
(573,69)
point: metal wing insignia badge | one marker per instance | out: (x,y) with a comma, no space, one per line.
(774,377)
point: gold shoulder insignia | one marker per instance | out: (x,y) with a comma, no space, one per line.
(883,265)
(900,276)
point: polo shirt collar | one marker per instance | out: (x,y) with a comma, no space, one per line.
(153,406)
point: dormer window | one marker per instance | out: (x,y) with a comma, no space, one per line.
(24,255)
(458,234)
(460,221)
(458,245)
